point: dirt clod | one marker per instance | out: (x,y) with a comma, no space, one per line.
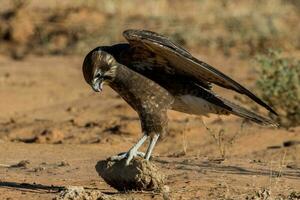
(138,175)
(63,164)
(21,164)
(50,136)
(262,194)
(79,193)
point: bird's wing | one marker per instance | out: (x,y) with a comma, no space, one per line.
(184,63)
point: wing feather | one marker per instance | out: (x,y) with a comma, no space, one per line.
(184,63)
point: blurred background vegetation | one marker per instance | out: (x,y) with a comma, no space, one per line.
(279,86)
(73,26)
(241,27)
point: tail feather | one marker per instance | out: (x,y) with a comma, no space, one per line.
(208,102)
(242,112)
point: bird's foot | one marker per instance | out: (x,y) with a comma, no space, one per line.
(129,155)
(133,153)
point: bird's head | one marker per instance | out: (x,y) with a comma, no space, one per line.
(99,68)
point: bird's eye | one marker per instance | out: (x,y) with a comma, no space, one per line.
(98,75)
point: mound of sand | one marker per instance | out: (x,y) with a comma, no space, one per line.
(138,175)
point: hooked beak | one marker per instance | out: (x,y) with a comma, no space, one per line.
(97,84)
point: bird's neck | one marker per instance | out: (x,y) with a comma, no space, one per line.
(123,78)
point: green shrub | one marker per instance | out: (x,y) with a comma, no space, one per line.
(279,85)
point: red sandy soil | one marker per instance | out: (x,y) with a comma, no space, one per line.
(51,118)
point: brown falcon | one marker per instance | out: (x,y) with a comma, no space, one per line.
(153,74)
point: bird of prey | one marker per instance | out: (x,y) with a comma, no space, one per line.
(153,74)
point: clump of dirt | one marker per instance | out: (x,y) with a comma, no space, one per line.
(263,194)
(79,193)
(294,195)
(140,174)
(21,164)
(49,136)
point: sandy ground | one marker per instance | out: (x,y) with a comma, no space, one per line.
(52,120)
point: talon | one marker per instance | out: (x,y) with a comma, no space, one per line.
(128,160)
(131,153)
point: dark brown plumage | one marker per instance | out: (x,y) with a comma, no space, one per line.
(153,74)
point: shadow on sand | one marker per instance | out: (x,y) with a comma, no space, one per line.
(40,188)
(231,169)
(28,187)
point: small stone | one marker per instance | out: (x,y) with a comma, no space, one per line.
(38,169)
(90,125)
(21,164)
(63,164)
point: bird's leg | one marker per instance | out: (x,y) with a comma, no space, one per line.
(152,143)
(132,152)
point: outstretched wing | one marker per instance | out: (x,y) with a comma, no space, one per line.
(184,63)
